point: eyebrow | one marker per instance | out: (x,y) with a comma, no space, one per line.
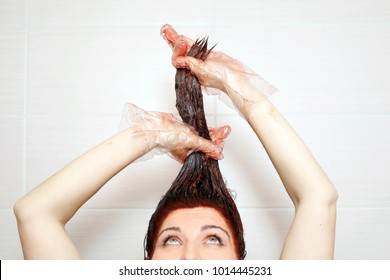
(170,228)
(203,228)
(206,227)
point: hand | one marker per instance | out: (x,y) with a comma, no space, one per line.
(165,133)
(205,72)
(219,71)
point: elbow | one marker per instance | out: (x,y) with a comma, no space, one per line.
(325,195)
(25,211)
(331,195)
(17,208)
(335,195)
(21,210)
(29,209)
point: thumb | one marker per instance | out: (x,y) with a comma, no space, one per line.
(219,134)
(188,62)
(196,143)
(210,148)
(197,67)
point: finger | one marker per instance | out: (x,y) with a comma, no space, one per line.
(180,48)
(216,153)
(218,134)
(171,36)
(195,65)
(211,149)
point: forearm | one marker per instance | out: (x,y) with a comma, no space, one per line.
(43,213)
(314,197)
(299,171)
(312,232)
(61,195)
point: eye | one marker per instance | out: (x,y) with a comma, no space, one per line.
(171,240)
(214,239)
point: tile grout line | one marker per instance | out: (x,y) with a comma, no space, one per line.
(103,209)
(25,105)
(108,209)
(214,33)
(212,23)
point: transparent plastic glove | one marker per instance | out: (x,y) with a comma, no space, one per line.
(219,72)
(165,133)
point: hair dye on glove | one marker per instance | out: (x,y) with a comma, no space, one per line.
(199,182)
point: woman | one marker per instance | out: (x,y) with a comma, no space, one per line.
(195,232)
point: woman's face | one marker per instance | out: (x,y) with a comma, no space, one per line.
(195,234)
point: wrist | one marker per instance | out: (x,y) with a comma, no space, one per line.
(247,90)
(252,102)
(262,109)
(136,143)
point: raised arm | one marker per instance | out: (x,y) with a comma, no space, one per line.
(43,213)
(312,232)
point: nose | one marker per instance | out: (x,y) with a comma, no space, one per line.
(190,252)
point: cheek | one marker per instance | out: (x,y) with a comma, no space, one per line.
(172,253)
(224,254)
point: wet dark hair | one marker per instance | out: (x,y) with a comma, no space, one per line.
(199,182)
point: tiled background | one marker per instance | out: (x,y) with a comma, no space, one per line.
(67,68)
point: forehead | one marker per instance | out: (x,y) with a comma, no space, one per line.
(194,217)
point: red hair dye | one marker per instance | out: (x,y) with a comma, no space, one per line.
(199,182)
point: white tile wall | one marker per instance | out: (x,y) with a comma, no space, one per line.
(344,66)
(12,68)
(12,12)
(120,12)
(11,164)
(68,67)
